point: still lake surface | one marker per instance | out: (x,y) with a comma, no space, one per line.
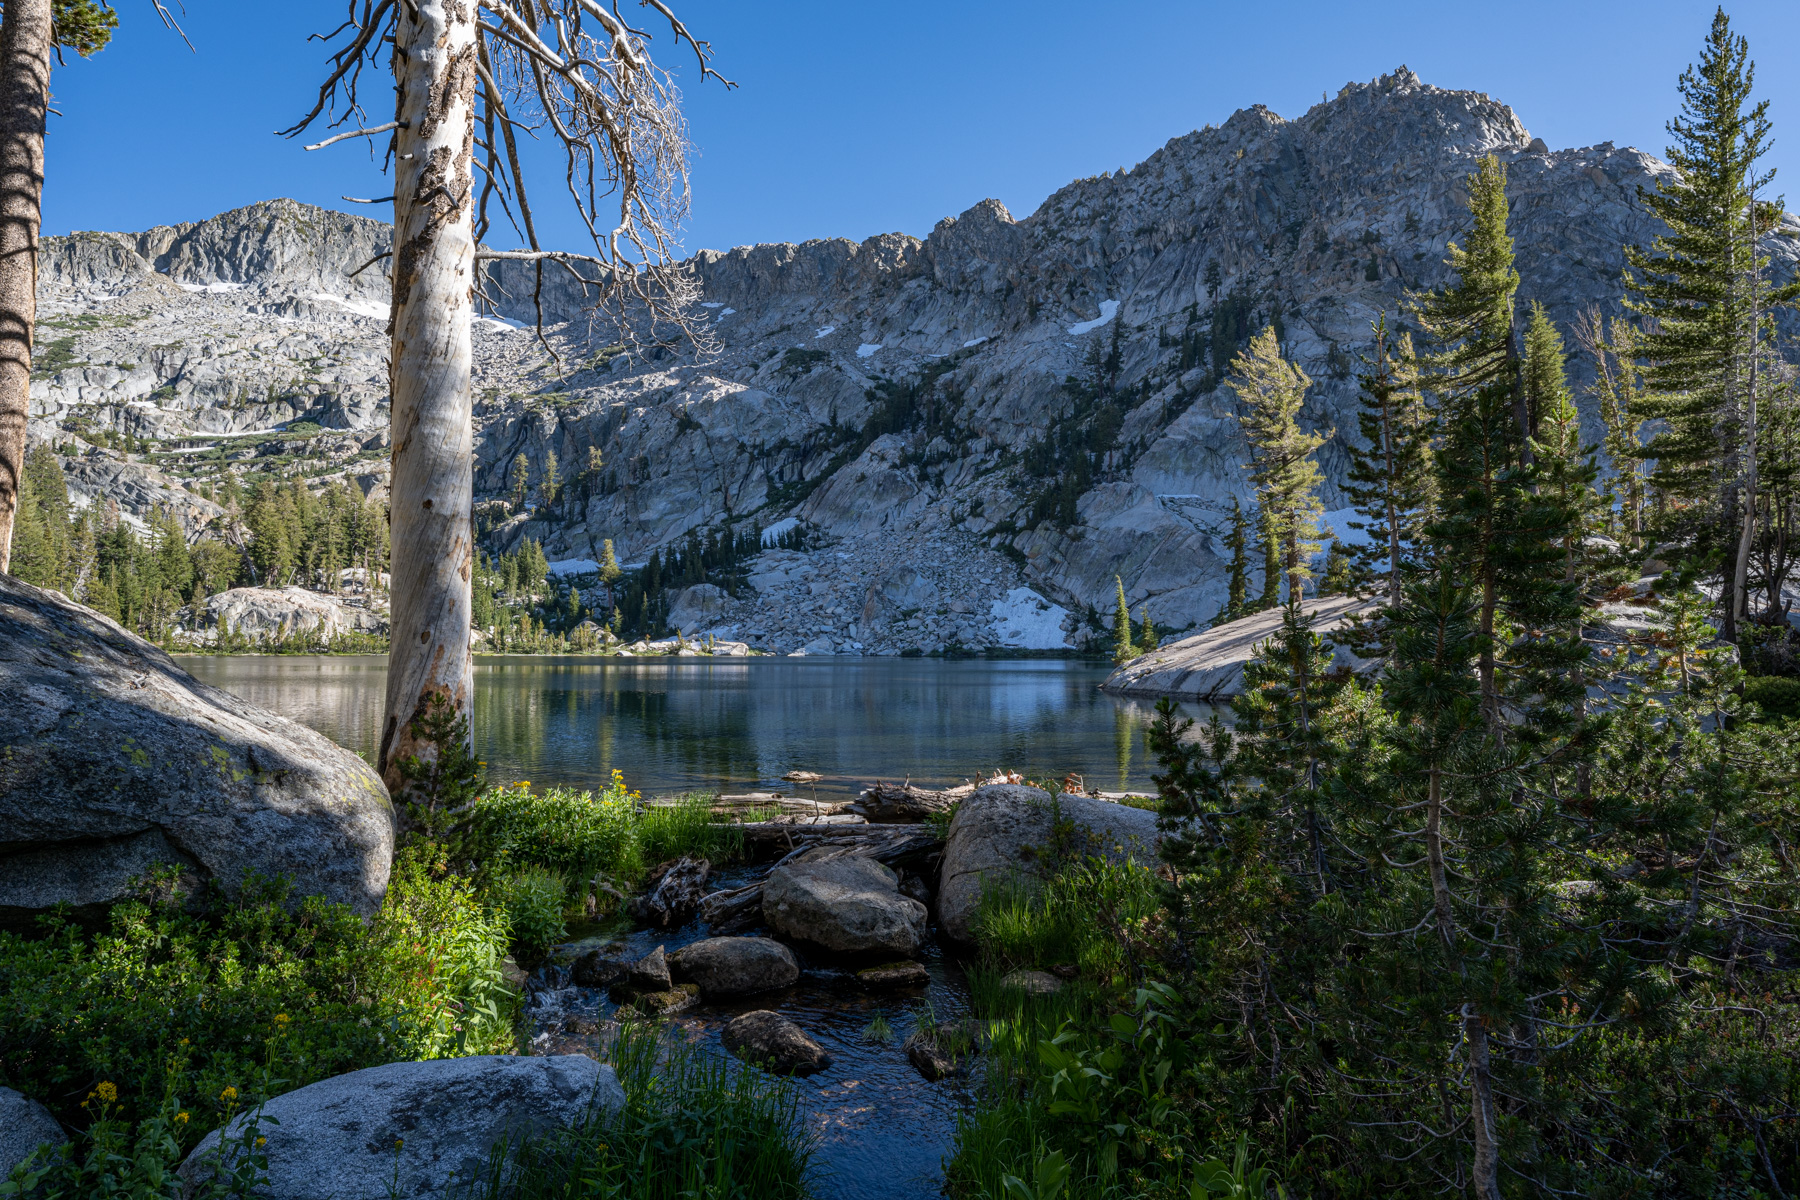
(737,724)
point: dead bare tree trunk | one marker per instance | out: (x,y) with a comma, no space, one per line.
(434,61)
(25,42)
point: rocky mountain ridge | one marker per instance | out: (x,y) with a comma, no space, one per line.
(1004,404)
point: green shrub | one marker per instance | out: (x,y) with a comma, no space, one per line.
(1776,695)
(694,1127)
(534,908)
(167,998)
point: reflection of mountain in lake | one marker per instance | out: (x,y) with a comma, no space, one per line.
(675,725)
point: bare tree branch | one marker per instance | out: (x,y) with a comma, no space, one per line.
(389,127)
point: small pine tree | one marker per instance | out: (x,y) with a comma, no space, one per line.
(1339,579)
(1147,642)
(1270,391)
(550,484)
(521,480)
(1123,650)
(1390,480)
(1237,540)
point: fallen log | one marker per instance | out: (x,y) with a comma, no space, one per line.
(884,843)
(891,803)
(763,804)
(721,907)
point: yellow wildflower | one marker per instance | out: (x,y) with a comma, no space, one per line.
(228,1095)
(262,1141)
(281,1019)
(107,1093)
(399,1142)
(181,1118)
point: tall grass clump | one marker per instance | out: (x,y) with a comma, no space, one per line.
(612,834)
(694,1127)
(1088,915)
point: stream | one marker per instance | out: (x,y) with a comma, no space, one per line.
(882,1130)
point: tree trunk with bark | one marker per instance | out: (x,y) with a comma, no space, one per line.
(25,43)
(435,56)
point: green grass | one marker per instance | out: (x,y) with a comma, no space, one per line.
(694,1127)
(1024,924)
(580,835)
(1075,1090)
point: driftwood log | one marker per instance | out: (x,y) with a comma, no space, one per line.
(733,911)
(901,803)
(883,843)
(674,893)
(764,804)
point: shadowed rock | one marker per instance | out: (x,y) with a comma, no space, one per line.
(771,1041)
(1008,832)
(843,902)
(413,1124)
(735,966)
(114,760)
(24,1126)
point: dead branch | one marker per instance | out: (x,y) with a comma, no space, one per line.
(352,133)
(577,72)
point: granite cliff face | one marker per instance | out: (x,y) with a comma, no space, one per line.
(894,396)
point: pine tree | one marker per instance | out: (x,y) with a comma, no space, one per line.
(1700,287)
(1546,562)
(271,523)
(174,564)
(1390,478)
(43,543)
(1339,579)
(1237,588)
(1268,536)
(521,480)
(1148,641)
(1123,650)
(1270,391)
(1473,370)
(549,484)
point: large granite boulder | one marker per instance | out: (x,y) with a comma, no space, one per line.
(24,1126)
(412,1128)
(114,760)
(735,966)
(694,608)
(1210,666)
(1011,832)
(272,614)
(843,902)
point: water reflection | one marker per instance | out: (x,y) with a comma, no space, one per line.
(676,724)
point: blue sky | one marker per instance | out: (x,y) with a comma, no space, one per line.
(867,117)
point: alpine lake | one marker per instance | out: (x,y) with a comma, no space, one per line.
(738,725)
